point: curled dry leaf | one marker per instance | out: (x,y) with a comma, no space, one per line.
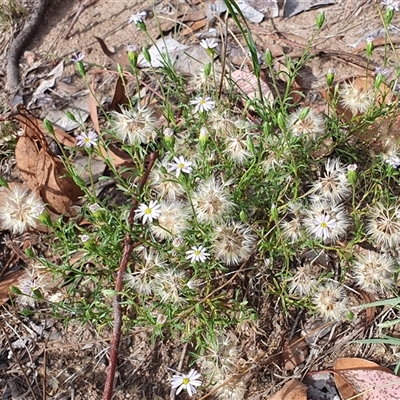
(40,170)
(357,378)
(26,155)
(55,188)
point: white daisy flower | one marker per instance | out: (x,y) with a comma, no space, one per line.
(189,382)
(208,44)
(323,225)
(148,212)
(138,17)
(326,221)
(180,165)
(391,4)
(87,139)
(197,253)
(202,104)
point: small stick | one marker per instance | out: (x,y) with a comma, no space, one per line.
(117,309)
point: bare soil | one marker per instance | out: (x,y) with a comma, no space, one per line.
(70,361)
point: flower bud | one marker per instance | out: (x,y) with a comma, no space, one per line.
(330,76)
(389,16)
(268,57)
(81,68)
(281,121)
(352,174)
(369,46)
(146,54)
(320,19)
(49,126)
(70,116)
(207,69)
(203,137)
(169,139)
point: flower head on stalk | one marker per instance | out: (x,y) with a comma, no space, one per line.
(202,104)
(87,139)
(186,381)
(148,212)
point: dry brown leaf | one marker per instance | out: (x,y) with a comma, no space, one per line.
(9,279)
(117,156)
(343,365)
(119,57)
(293,390)
(58,191)
(294,354)
(194,27)
(26,156)
(374,384)
(247,84)
(93,110)
(119,97)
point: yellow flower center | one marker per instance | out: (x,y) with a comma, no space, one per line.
(185,381)
(148,211)
(180,166)
(324,225)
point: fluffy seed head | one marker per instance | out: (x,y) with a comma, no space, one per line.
(211,201)
(303,283)
(20,209)
(331,302)
(221,362)
(236,148)
(311,127)
(333,185)
(233,243)
(383,225)
(134,126)
(31,281)
(373,272)
(170,283)
(142,280)
(172,221)
(356,99)
(164,183)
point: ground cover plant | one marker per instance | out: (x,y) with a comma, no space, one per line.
(225,189)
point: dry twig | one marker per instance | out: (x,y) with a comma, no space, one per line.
(117,310)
